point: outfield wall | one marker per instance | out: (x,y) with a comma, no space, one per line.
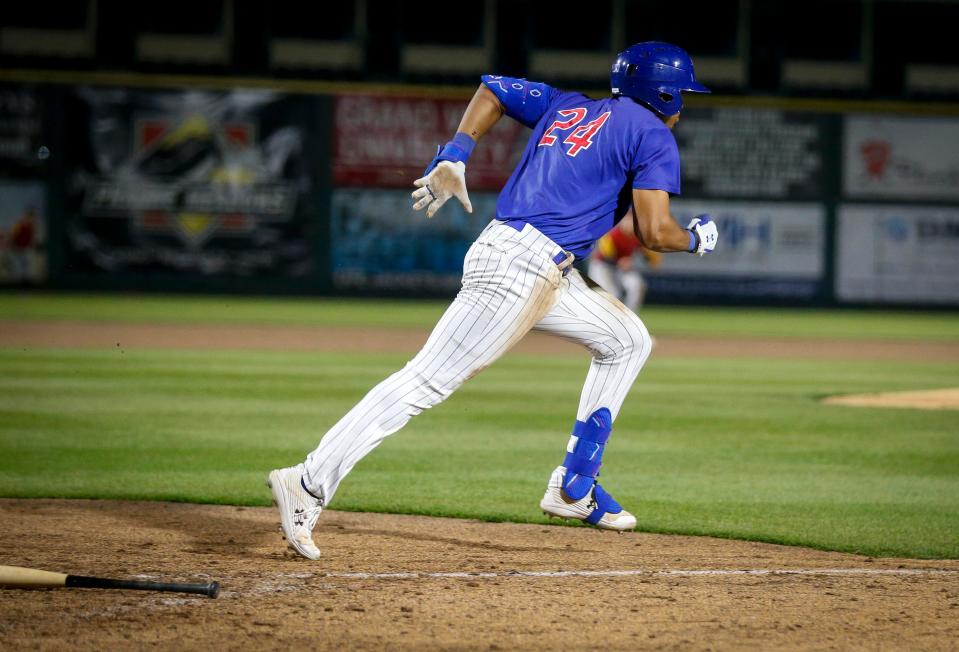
(176,184)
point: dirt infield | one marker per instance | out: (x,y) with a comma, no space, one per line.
(408,582)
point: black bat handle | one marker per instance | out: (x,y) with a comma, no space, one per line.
(211,589)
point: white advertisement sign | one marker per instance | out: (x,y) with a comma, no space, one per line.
(755,239)
(897,157)
(907,254)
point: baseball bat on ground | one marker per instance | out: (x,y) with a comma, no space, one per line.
(17,577)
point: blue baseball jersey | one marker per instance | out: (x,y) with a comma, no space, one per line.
(584,155)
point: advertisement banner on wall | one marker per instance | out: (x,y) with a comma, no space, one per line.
(766,250)
(901,254)
(755,153)
(189,183)
(380,244)
(388,142)
(23,257)
(901,157)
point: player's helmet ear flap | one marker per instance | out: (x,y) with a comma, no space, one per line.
(655,74)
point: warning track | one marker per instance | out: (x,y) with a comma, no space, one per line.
(86,334)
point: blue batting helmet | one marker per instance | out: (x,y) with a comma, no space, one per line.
(655,74)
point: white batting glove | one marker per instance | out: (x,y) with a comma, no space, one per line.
(446,180)
(706,234)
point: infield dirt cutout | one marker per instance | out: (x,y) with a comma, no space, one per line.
(411,582)
(930,399)
(133,336)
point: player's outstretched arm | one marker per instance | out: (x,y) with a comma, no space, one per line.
(445,176)
(658,230)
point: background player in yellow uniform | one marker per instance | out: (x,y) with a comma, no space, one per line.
(618,261)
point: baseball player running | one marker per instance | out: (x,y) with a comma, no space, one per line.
(587,161)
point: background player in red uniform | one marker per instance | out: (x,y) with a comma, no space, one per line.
(22,243)
(617,263)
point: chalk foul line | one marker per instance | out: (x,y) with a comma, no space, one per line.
(841,572)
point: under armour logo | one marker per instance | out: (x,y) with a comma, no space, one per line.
(298,517)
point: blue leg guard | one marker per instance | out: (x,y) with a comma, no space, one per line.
(584,455)
(604,503)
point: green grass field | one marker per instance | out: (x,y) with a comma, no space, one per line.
(738,448)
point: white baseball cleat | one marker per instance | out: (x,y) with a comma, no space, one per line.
(557,503)
(299,510)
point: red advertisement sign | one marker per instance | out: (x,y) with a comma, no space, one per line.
(386,142)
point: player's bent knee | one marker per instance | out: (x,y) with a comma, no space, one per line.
(631,342)
(642,344)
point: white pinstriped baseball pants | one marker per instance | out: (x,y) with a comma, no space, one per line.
(510,286)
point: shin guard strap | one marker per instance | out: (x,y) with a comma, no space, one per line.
(596,428)
(604,503)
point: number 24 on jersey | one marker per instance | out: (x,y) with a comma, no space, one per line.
(579,138)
